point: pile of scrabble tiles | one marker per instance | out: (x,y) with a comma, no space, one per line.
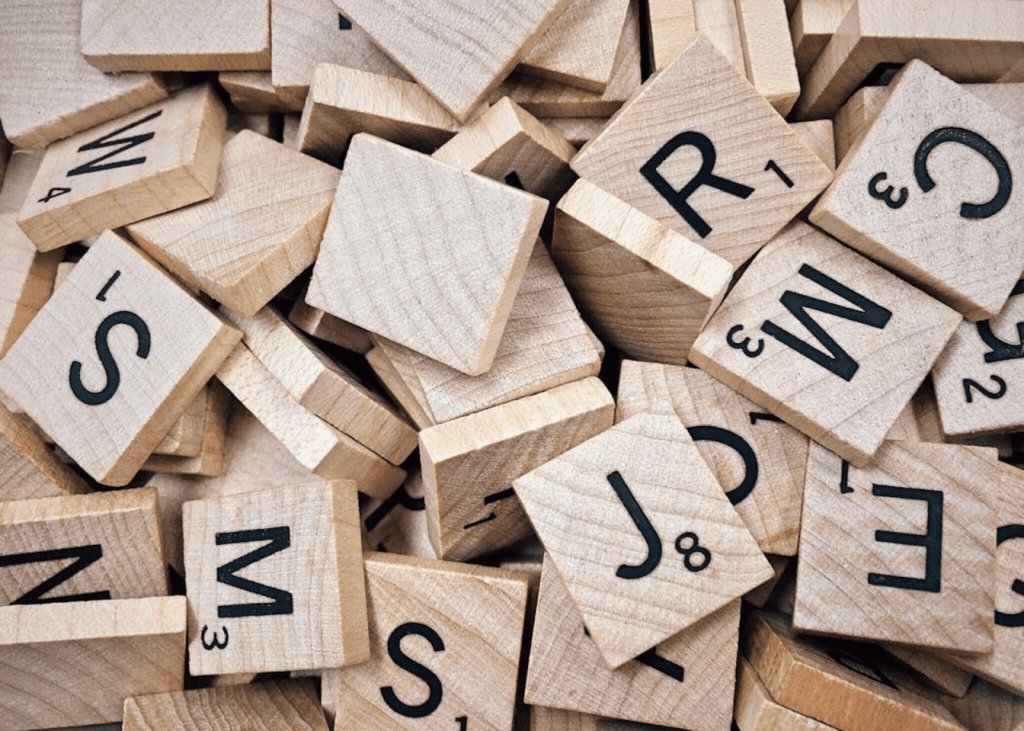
(533,364)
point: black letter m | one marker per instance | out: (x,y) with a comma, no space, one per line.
(110,140)
(280,539)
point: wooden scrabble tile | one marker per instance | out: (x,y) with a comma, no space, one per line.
(190,35)
(28,468)
(686,681)
(1015,75)
(1002,665)
(719,21)
(391,249)
(759,461)
(843,386)
(643,287)
(670,25)
(21,170)
(308,33)
(768,51)
(855,117)
(812,25)
(75,664)
(291,704)
(543,718)
(509,144)
(258,232)
(579,47)
(429,39)
(314,443)
(759,596)
(820,137)
(110,422)
(253,91)
(846,685)
(641,475)
(1003,97)
(469,463)
(929,425)
(47,90)
(576,130)
(934,669)
(978,377)
(756,173)
(889,200)
(862,569)
(325,326)
(308,564)
(545,344)
(185,437)
(756,710)
(989,708)
(398,524)
(209,460)
(966,45)
(454,627)
(164,157)
(344,101)
(26,280)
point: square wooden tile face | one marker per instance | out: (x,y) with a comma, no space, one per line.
(275,580)
(113,358)
(424,254)
(932,191)
(701,151)
(642,534)
(903,550)
(825,339)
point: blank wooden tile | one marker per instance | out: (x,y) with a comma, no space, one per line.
(670,26)
(886,550)
(894,201)
(399,523)
(325,326)
(113,358)
(846,685)
(455,627)
(812,25)
(75,664)
(966,45)
(253,91)
(26,279)
(645,288)
(719,21)
(768,51)
(307,561)
(112,540)
(686,681)
(934,668)
(395,371)
(641,475)
(854,118)
(424,254)
(759,461)
(843,386)
(988,708)
(756,710)
(190,35)
(28,468)
(758,174)
(314,443)
(820,137)
(168,157)
(285,704)
(431,39)
(48,91)
(209,461)
(469,463)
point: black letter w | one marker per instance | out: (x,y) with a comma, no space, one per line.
(280,539)
(109,140)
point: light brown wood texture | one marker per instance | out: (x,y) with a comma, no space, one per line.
(314,443)
(741,136)
(26,280)
(462,626)
(856,115)
(934,668)
(759,596)
(543,718)
(645,288)
(929,425)
(848,686)
(28,467)
(768,51)
(21,170)
(576,130)
(579,47)
(398,524)
(812,25)
(109,415)
(260,123)
(545,344)
(469,463)
(856,579)
(424,254)
(400,381)
(325,387)
(308,33)
(259,230)
(988,708)
(325,326)
(968,41)
(759,461)
(253,91)
(311,570)
(509,144)
(719,21)
(285,704)
(112,538)
(427,39)
(209,461)
(976,204)
(820,137)
(344,101)
(841,383)
(168,157)
(1004,97)
(1014,76)
(48,91)
(75,663)
(671,23)
(185,437)
(190,35)
(578,504)
(756,710)
(686,681)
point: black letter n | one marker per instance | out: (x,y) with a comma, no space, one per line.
(280,539)
(110,140)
